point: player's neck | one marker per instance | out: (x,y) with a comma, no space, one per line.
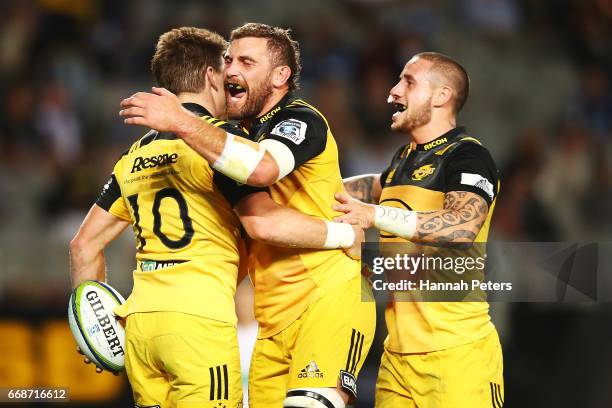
(432,130)
(200,98)
(273,100)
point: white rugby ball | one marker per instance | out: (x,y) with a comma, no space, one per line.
(94,326)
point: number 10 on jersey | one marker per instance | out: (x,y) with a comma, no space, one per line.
(169,194)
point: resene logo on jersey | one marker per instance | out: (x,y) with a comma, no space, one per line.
(154,161)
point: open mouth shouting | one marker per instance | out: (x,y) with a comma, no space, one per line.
(235,92)
(399,108)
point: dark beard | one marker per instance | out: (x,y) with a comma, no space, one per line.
(419,118)
(256,100)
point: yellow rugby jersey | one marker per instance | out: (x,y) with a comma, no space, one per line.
(288,280)
(417,179)
(186,232)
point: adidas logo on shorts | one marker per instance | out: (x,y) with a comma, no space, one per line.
(311,371)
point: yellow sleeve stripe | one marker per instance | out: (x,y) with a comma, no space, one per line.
(406,151)
(138,144)
(300,102)
(135,146)
(467,139)
(442,151)
(214,121)
(471,139)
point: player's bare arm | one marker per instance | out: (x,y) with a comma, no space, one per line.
(87,247)
(265,220)
(239,158)
(461,219)
(365,188)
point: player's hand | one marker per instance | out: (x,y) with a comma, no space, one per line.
(355,212)
(160,110)
(88,361)
(354,251)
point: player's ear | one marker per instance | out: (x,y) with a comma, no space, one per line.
(280,76)
(442,95)
(212,78)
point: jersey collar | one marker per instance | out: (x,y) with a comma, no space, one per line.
(442,140)
(287,99)
(197,109)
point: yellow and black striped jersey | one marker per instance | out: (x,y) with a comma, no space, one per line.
(417,179)
(186,232)
(288,280)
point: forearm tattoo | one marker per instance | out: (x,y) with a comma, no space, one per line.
(461,220)
(361,188)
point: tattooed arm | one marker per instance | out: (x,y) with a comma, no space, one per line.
(364,188)
(461,219)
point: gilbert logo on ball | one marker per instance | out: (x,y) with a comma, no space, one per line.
(94,326)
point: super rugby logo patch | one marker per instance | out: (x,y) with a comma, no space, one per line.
(292,129)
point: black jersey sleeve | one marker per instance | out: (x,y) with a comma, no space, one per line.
(229,127)
(470,167)
(302,130)
(385,173)
(110,193)
(232,190)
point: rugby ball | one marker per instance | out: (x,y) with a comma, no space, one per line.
(94,326)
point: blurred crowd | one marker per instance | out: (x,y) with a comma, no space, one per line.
(541,100)
(541,94)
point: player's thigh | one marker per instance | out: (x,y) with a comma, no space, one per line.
(149,384)
(334,339)
(201,359)
(472,375)
(269,371)
(391,389)
(387,398)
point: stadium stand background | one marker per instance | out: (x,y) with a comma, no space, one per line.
(541,101)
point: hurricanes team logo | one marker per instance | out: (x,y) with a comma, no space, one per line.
(422,172)
(311,371)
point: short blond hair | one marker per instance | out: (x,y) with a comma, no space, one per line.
(453,72)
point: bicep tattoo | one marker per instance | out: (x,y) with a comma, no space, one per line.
(361,188)
(461,220)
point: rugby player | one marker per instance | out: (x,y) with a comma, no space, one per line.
(314,328)
(180,317)
(439,188)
